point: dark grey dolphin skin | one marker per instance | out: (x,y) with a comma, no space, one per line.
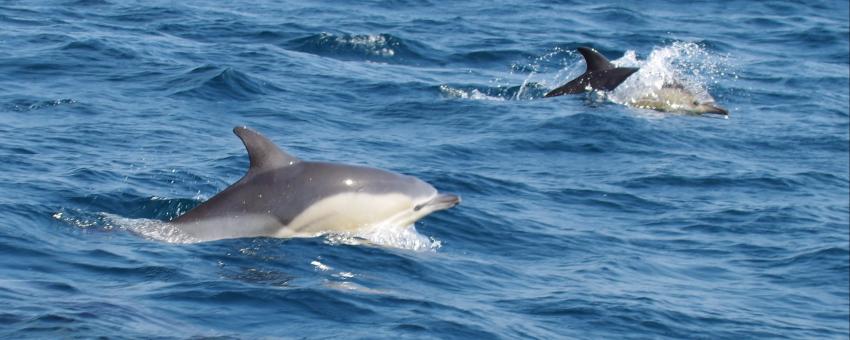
(283,196)
(600,75)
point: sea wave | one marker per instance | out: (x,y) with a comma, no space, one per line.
(215,83)
(366,47)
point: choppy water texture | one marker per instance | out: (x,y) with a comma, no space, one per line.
(582,218)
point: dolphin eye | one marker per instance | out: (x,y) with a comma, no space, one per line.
(696,102)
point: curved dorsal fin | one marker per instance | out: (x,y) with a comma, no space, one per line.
(262,153)
(594,60)
(600,75)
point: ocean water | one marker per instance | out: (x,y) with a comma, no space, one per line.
(581,217)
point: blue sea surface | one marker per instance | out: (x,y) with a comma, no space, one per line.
(581,217)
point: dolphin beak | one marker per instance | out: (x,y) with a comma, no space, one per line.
(716,110)
(447,199)
(440,202)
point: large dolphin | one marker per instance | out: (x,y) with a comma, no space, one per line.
(283,196)
(601,75)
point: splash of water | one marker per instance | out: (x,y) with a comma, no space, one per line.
(473,94)
(387,236)
(686,64)
(376,44)
(535,80)
(536,73)
(381,235)
(150,229)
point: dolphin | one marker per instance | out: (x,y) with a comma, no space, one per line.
(675,97)
(284,196)
(601,75)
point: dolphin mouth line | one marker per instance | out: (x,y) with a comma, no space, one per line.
(718,111)
(439,202)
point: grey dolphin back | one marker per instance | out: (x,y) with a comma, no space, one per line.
(601,75)
(263,154)
(264,157)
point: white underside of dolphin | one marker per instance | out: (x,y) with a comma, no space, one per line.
(283,196)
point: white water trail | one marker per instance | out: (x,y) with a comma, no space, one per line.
(380,235)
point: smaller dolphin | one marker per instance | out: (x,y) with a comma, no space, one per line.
(675,97)
(601,75)
(284,196)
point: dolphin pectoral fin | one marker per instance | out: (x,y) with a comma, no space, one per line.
(262,153)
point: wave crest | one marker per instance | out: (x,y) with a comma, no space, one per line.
(214,83)
(371,47)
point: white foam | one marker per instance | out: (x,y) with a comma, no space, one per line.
(387,236)
(473,94)
(150,229)
(351,286)
(381,235)
(375,44)
(320,266)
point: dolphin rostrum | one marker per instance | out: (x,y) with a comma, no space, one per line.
(601,75)
(283,196)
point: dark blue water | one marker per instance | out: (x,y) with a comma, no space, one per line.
(581,217)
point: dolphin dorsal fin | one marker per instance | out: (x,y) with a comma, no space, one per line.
(594,60)
(262,152)
(600,75)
